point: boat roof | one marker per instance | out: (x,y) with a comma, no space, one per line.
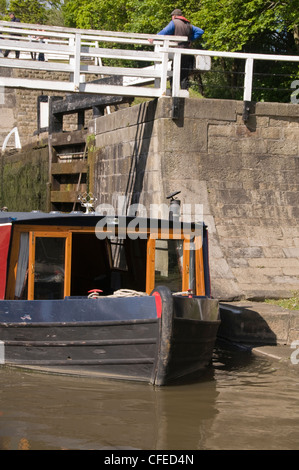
(81,219)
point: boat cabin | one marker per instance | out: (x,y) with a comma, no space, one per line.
(56,255)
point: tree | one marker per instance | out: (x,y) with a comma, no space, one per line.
(2,7)
(268,26)
(105,15)
(259,26)
(33,11)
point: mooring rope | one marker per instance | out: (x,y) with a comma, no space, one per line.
(127,293)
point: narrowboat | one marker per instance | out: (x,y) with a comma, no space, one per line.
(88,294)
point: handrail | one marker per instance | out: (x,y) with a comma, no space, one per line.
(79,52)
(59,31)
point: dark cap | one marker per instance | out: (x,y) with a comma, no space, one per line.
(177,12)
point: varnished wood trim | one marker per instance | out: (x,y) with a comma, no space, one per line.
(186,265)
(150,265)
(199,267)
(67,259)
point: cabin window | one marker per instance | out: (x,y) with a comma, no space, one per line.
(90,264)
(118,254)
(107,265)
(49,265)
(49,268)
(169,264)
(21,285)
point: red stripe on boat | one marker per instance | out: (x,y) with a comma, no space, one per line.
(5,231)
(158,303)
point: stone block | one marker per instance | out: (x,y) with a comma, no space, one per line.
(283,148)
(190,138)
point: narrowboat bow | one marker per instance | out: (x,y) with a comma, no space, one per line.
(91,295)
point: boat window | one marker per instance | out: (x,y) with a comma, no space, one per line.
(169,264)
(90,264)
(49,268)
(118,254)
(21,285)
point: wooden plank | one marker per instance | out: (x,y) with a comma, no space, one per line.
(35,65)
(186,265)
(144,72)
(83,87)
(64,196)
(122,54)
(68,265)
(199,267)
(150,265)
(69,168)
(68,138)
(61,31)
(119,90)
(76,102)
(25,45)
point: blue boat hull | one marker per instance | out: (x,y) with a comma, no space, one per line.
(119,338)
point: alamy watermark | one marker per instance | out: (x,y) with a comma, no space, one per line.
(295,354)
(295,93)
(135,220)
(2,352)
(2,94)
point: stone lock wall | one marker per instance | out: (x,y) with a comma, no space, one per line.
(246,176)
(24,177)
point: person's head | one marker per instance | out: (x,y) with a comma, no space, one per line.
(176,12)
(11,15)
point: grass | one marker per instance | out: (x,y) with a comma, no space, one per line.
(292,303)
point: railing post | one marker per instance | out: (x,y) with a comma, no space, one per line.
(161,82)
(248,79)
(176,74)
(77,61)
(164,68)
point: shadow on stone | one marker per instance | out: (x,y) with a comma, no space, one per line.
(144,129)
(244,325)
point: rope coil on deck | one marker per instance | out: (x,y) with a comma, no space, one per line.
(119,293)
(127,293)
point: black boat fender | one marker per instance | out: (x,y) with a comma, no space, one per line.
(163,298)
(164,303)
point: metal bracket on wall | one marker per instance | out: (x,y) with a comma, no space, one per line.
(246,111)
(176,110)
(17,139)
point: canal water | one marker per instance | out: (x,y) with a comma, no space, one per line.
(243,402)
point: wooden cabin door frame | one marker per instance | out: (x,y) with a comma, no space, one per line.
(33,235)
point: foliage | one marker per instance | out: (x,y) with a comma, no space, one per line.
(34,11)
(256,26)
(259,26)
(291,303)
(231,24)
(2,7)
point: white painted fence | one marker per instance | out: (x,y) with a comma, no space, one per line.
(83,52)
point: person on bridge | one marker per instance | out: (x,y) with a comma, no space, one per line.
(13,18)
(180,26)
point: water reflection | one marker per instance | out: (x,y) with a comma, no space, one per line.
(242,402)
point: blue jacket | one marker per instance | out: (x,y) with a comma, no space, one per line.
(170,30)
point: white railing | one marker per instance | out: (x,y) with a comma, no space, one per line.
(83,52)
